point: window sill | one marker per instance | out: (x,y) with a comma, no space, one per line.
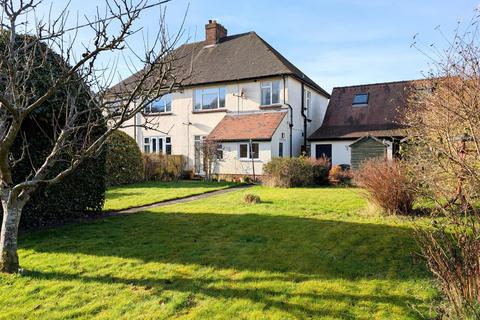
(359,105)
(210,110)
(155,114)
(271,106)
(249,160)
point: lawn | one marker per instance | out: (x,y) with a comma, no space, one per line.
(140,194)
(301,253)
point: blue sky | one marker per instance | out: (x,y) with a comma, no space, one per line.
(335,42)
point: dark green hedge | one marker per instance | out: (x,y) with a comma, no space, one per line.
(124,163)
(83,190)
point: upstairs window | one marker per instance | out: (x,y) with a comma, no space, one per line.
(360,99)
(209,98)
(270,92)
(161,105)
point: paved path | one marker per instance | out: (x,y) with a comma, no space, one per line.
(182,200)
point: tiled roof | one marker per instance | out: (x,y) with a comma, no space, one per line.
(238,57)
(254,126)
(381,117)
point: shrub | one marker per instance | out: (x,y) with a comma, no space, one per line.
(452,252)
(387,185)
(320,169)
(251,198)
(81,191)
(288,172)
(339,176)
(124,163)
(158,167)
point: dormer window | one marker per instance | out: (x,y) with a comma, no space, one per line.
(360,99)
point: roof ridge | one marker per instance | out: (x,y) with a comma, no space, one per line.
(378,83)
(289,65)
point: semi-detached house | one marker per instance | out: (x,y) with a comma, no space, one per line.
(243,94)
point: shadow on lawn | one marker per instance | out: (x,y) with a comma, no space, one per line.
(312,247)
(291,249)
(269,298)
(182,184)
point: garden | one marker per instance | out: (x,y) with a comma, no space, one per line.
(320,254)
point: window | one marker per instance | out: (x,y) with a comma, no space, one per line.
(243,150)
(146,145)
(162,105)
(308,99)
(168,145)
(116,107)
(270,92)
(280,149)
(210,98)
(219,153)
(249,150)
(360,99)
(161,145)
(254,151)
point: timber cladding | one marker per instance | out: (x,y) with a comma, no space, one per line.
(366,149)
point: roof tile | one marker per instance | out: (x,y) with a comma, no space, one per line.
(254,126)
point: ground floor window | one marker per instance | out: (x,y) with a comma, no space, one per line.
(280,149)
(160,145)
(249,150)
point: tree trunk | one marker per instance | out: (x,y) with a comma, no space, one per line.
(8,237)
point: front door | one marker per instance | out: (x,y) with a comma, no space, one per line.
(323,151)
(198,140)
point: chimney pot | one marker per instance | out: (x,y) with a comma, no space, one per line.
(214,31)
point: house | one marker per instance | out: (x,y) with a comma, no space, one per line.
(242,93)
(362,122)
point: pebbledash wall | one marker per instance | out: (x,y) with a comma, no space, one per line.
(183,125)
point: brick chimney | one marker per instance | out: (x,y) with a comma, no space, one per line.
(214,31)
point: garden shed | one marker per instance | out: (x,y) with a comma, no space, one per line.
(366,148)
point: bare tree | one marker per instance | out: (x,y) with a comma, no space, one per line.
(444,156)
(210,150)
(78,132)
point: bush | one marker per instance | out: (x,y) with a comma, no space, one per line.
(124,163)
(387,185)
(160,167)
(339,176)
(80,192)
(288,172)
(251,198)
(320,169)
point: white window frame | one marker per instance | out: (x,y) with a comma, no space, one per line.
(248,151)
(269,85)
(308,102)
(154,143)
(202,93)
(148,109)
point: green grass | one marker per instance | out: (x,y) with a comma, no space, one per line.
(134,195)
(301,253)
